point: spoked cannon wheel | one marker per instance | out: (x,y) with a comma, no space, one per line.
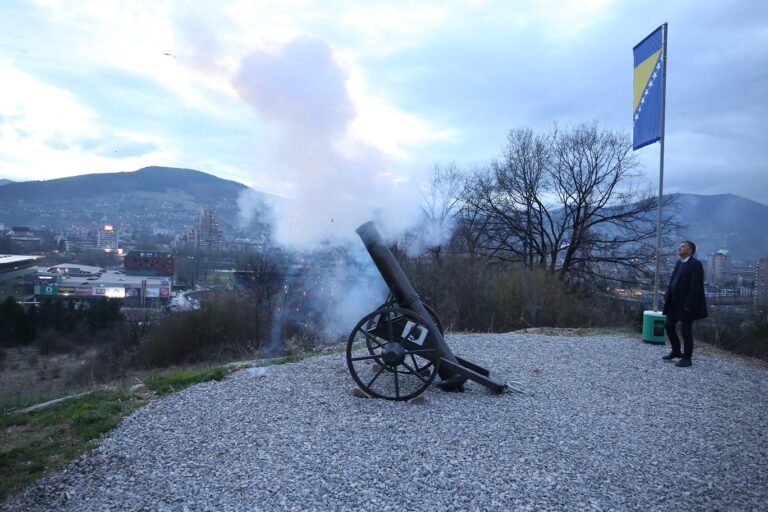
(400,362)
(392,304)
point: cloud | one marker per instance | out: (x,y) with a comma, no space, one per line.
(125,148)
(422,82)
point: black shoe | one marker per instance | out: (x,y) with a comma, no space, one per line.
(672,355)
(686,361)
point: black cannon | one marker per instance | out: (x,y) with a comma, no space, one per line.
(396,351)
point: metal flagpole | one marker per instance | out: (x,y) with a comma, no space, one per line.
(661,162)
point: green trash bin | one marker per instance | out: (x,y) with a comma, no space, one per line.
(653,327)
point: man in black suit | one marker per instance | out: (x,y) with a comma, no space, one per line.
(684,302)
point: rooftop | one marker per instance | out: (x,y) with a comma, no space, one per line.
(63,268)
(17,258)
(114,278)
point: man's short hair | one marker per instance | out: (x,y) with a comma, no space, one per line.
(691,245)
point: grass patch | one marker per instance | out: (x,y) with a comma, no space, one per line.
(295,358)
(173,382)
(34,444)
(37,443)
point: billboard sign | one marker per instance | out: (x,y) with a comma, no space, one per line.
(49,289)
(114,292)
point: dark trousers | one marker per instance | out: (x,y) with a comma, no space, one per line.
(686,328)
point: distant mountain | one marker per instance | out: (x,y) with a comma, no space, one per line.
(723,221)
(152,197)
(192,184)
(4,182)
(167,198)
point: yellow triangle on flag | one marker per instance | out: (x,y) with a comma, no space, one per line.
(643,73)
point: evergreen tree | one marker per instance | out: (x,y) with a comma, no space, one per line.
(16,325)
(102,313)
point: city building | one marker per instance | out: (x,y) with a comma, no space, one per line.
(24,238)
(79,240)
(107,238)
(149,263)
(13,269)
(134,291)
(743,275)
(761,284)
(719,268)
(206,234)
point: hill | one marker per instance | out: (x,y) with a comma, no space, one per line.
(196,185)
(152,197)
(724,221)
(169,198)
(4,182)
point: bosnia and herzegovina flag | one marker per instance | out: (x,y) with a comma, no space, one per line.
(648,90)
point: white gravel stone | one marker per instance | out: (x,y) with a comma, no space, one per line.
(605,425)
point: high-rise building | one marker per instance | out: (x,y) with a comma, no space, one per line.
(206,234)
(107,238)
(761,284)
(719,268)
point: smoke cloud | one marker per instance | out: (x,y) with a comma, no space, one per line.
(335,183)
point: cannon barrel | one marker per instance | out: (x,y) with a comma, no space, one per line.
(402,290)
(453,370)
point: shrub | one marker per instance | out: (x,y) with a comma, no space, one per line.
(474,294)
(738,332)
(53,342)
(225,327)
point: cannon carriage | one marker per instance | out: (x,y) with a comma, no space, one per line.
(397,351)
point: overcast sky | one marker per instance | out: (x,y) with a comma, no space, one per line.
(257,91)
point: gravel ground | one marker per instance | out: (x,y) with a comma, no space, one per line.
(605,425)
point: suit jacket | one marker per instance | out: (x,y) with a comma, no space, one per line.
(685,293)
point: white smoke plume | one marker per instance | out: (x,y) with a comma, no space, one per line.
(335,183)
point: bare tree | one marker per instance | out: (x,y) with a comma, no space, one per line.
(440,206)
(262,273)
(568,202)
(507,200)
(608,222)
